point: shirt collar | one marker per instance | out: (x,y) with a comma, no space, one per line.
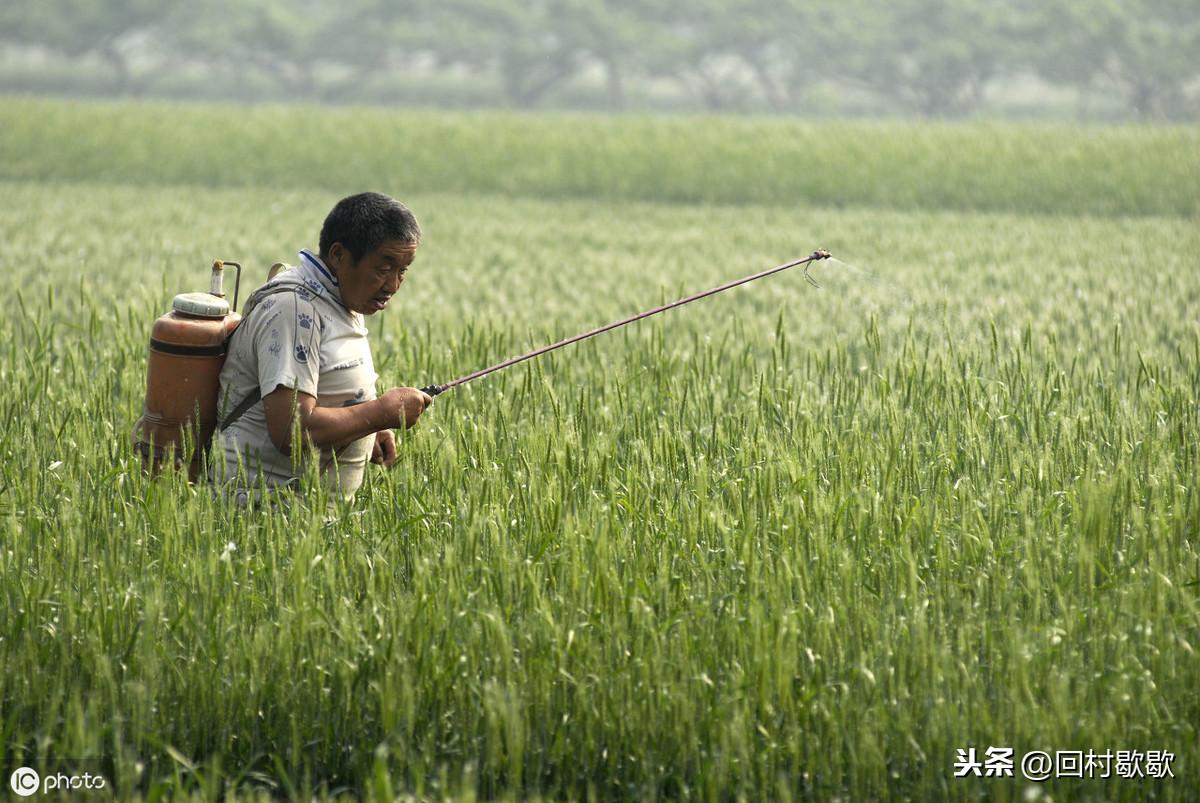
(313,269)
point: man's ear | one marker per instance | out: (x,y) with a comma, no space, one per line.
(338,258)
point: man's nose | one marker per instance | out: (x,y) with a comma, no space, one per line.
(393,282)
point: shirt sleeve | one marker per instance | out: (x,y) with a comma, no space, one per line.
(287,342)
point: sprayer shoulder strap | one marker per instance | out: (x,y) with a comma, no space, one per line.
(251,304)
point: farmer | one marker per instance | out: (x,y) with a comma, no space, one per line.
(299,364)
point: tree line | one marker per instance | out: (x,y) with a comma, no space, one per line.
(929,57)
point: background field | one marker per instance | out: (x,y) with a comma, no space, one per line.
(789,542)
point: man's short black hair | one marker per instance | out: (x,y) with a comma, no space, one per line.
(363,222)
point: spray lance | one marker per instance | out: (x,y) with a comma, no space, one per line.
(434,390)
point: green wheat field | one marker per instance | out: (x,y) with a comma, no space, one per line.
(785,543)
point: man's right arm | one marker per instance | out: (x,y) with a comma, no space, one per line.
(335,427)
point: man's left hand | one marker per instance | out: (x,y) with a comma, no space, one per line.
(384,452)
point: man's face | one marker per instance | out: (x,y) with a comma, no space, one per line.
(367,285)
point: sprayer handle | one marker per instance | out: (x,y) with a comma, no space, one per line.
(432,390)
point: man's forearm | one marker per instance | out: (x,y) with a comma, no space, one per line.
(335,427)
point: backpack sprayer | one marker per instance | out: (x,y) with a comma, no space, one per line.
(188,345)
(819,254)
(187,351)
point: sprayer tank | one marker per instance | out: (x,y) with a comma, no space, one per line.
(187,351)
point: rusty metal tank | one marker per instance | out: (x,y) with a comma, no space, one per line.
(187,351)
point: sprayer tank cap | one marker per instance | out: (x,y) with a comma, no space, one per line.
(201,305)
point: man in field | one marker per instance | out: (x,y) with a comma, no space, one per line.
(299,365)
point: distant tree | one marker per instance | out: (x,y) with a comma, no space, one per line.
(932,56)
(757,34)
(279,38)
(688,45)
(1144,49)
(788,45)
(1154,53)
(371,37)
(610,32)
(77,28)
(522,42)
(1061,41)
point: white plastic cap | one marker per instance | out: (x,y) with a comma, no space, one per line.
(201,305)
